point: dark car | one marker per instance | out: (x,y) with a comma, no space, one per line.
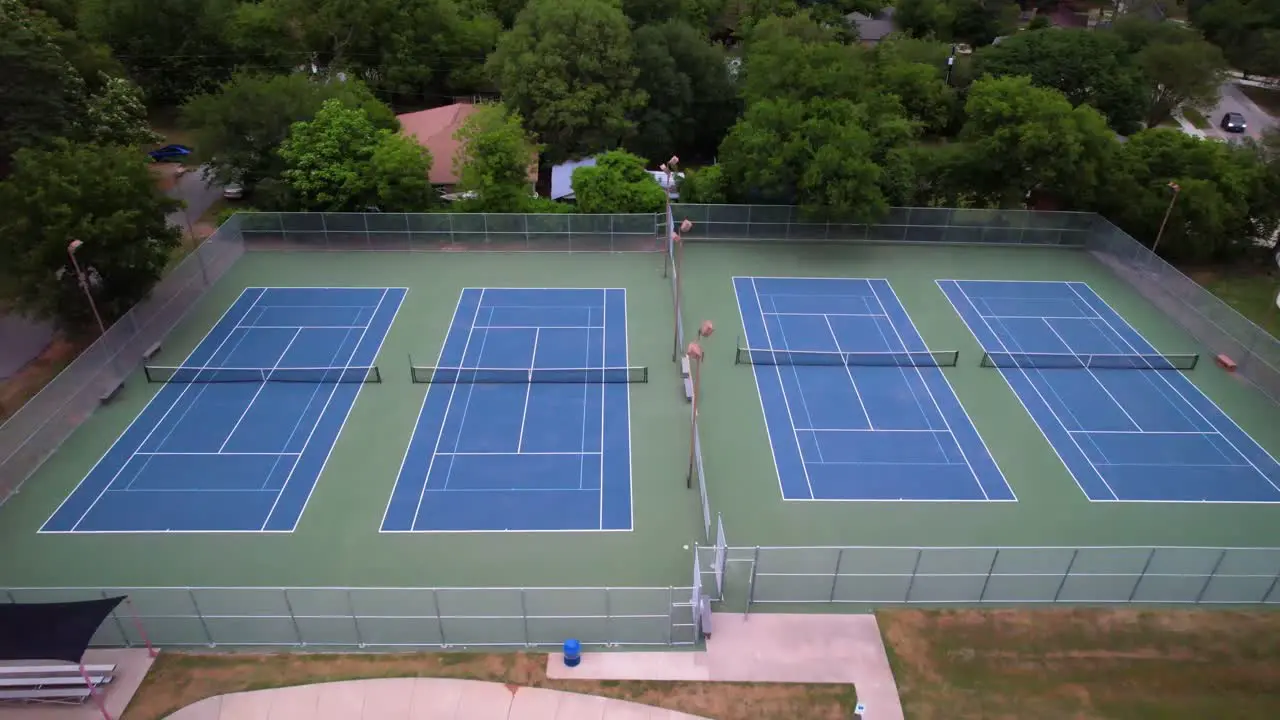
(170,153)
(1234,122)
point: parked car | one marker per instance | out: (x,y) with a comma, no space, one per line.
(1234,122)
(233,191)
(170,153)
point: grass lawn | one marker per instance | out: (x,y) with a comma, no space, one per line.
(1266,98)
(179,679)
(1084,663)
(1196,118)
(1251,293)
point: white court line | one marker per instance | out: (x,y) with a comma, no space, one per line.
(929,391)
(528,390)
(1087,369)
(258,392)
(222,454)
(960,289)
(631,482)
(1175,389)
(827,314)
(168,410)
(320,419)
(1145,432)
(444,420)
(782,388)
(849,373)
(508,490)
(301,327)
(795,373)
(486,454)
(193,490)
(890,463)
(466,406)
(875,430)
(540,327)
(582,436)
(1034,317)
(1175,464)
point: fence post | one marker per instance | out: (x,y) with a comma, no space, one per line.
(355,620)
(608,617)
(292,617)
(671,615)
(1066,574)
(915,568)
(1214,571)
(835,576)
(994,557)
(324,228)
(435,603)
(1274,581)
(119,624)
(9,594)
(751,582)
(1134,593)
(200,615)
(524,616)
(452,240)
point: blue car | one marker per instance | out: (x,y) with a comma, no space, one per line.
(170,153)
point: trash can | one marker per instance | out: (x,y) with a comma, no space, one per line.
(572,653)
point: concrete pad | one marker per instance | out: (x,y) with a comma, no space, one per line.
(535,704)
(389,699)
(247,706)
(581,707)
(483,701)
(207,709)
(340,700)
(669,666)
(132,665)
(435,698)
(295,703)
(622,710)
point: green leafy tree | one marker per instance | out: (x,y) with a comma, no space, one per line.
(1023,142)
(568,68)
(1224,204)
(794,58)
(117,116)
(239,126)
(1185,74)
(979,22)
(703,186)
(42,95)
(617,183)
(1085,66)
(340,161)
(171,48)
(102,195)
(494,159)
(923,18)
(924,93)
(1247,31)
(691,103)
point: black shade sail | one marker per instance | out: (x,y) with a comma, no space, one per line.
(51,631)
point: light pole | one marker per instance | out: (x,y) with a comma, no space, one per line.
(84,283)
(1167,211)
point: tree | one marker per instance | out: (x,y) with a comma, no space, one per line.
(117,115)
(794,58)
(341,162)
(691,103)
(703,186)
(1225,200)
(239,126)
(1085,66)
(617,183)
(102,195)
(1183,74)
(925,96)
(567,67)
(1247,31)
(171,48)
(819,154)
(1022,141)
(923,18)
(494,159)
(42,95)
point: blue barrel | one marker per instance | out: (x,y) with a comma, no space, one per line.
(572,653)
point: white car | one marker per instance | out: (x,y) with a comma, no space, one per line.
(233,191)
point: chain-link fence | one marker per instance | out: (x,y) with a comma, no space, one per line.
(1002,575)
(349,617)
(640,232)
(909,225)
(1200,312)
(37,429)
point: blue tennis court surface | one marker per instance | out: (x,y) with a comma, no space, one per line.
(1123,433)
(216,451)
(848,431)
(526,429)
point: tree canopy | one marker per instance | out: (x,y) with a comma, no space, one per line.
(617,183)
(494,160)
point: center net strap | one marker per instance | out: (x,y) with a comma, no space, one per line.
(1068,361)
(195,374)
(905,358)
(422,374)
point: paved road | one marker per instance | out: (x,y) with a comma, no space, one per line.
(191,189)
(1232,99)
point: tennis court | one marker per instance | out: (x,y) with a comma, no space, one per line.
(525,425)
(855,404)
(238,434)
(1126,421)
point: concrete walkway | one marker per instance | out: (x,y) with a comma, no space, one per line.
(766,647)
(418,699)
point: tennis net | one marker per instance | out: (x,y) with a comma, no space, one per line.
(1067,361)
(191,374)
(461,375)
(927,358)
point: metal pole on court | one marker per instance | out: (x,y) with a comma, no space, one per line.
(1160,233)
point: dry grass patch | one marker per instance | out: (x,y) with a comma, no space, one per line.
(1084,663)
(179,679)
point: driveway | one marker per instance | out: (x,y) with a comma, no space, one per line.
(191,189)
(1231,99)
